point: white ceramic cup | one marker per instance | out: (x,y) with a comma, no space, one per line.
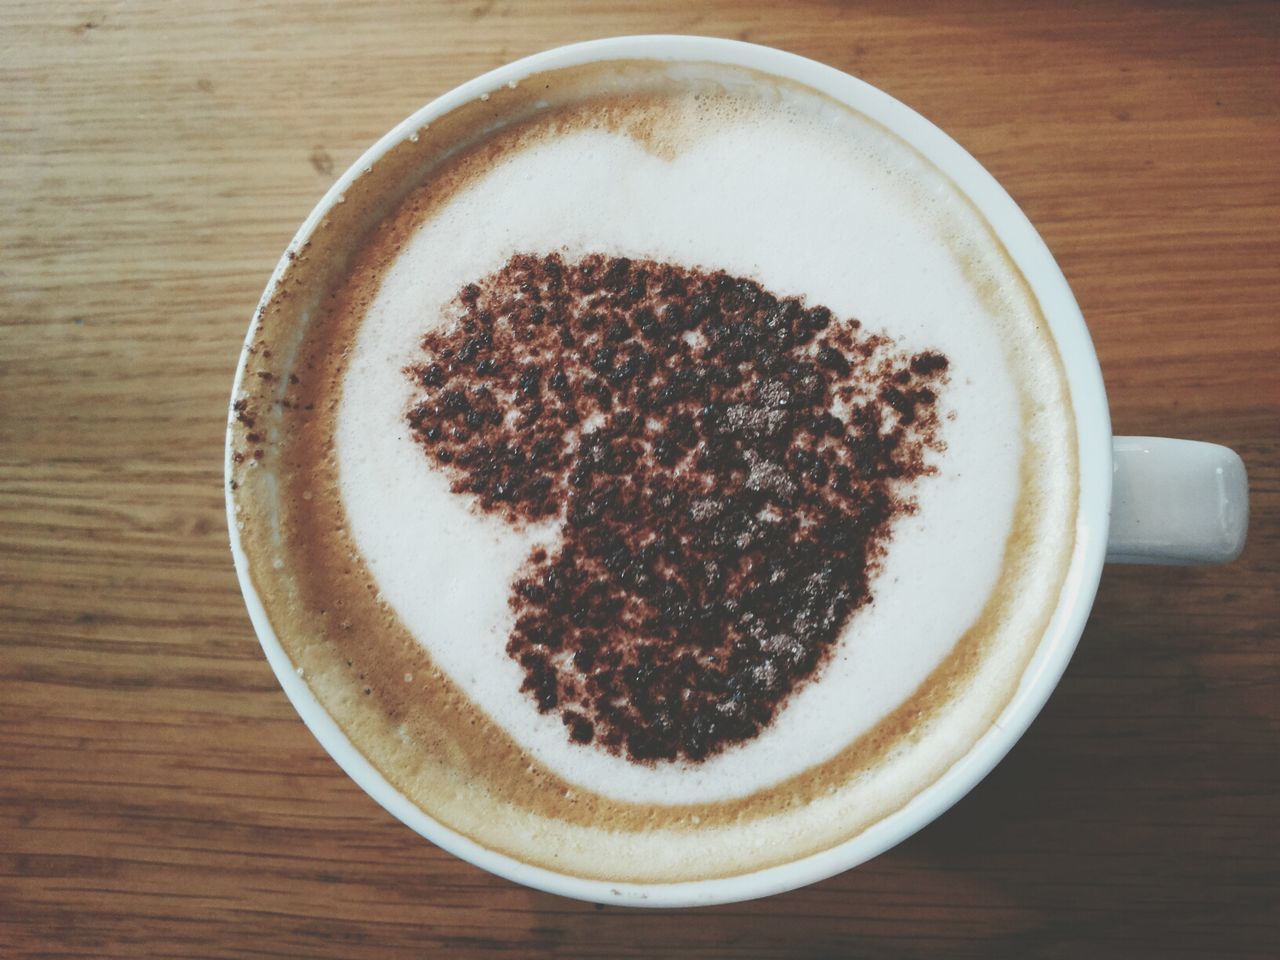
(1142,499)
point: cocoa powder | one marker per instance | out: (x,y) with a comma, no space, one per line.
(726,466)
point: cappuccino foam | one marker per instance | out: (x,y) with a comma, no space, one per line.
(392,592)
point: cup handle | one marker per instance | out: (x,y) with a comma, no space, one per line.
(1176,502)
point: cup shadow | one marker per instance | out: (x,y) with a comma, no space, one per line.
(1132,819)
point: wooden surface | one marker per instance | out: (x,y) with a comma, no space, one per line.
(158,794)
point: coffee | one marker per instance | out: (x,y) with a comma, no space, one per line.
(660,471)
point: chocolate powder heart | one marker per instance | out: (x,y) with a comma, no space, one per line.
(726,466)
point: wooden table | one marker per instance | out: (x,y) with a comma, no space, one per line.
(160,797)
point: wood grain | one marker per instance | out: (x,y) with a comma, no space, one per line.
(160,798)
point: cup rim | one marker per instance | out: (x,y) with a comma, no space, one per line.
(1093,433)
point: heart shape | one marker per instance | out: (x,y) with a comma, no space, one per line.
(726,466)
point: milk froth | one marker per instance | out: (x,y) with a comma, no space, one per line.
(822,206)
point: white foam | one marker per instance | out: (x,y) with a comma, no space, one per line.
(816,203)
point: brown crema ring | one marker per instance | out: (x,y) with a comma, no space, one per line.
(407,717)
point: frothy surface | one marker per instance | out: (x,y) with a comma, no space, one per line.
(815,206)
(390,592)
